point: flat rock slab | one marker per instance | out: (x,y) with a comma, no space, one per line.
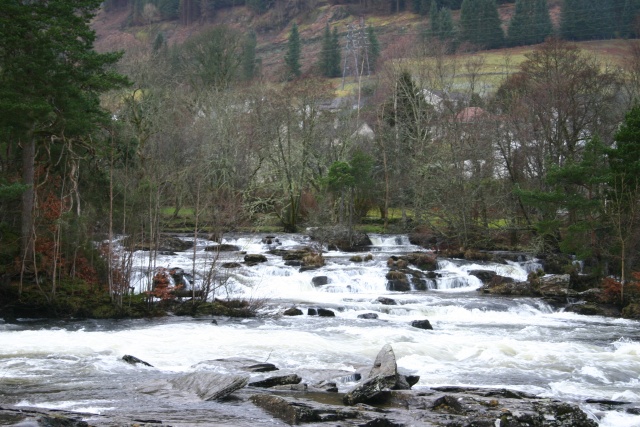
(293,411)
(210,385)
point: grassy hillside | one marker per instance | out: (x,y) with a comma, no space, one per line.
(397,34)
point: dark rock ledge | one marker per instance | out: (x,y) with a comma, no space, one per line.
(382,398)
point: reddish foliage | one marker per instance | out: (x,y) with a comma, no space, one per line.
(162,287)
(611,289)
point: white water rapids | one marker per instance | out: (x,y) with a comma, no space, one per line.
(517,343)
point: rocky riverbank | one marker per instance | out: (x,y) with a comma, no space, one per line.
(381,397)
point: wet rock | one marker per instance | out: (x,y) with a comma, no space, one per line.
(381,379)
(308,268)
(486,276)
(385,363)
(423,260)
(237,364)
(134,360)
(341,238)
(293,311)
(397,281)
(164,244)
(223,247)
(255,258)
(386,301)
(312,312)
(320,280)
(448,404)
(293,411)
(270,240)
(324,312)
(291,387)
(210,385)
(294,263)
(368,316)
(356,258)
(421,324)
(231,265)
(277,381)
(326,386)
(60,421)
(372,391)
(508,288)
(381,422)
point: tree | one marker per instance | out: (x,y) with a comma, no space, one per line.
(480,23)
(630,18)
(50,82)
(624,196)
(292,57)
(587,19)
(441,22)
(531,23)
(559,101)
(329,59)
(212,58)
(373,46)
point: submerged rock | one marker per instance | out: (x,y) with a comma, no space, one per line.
(422,324)
(293,311)
(134,360)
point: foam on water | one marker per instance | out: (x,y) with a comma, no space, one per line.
(522,344)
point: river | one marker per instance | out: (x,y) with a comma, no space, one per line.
(517,343)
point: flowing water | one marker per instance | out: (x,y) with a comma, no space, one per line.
(518,343)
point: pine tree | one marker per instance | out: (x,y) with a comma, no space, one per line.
(470,20)
(630,18)
(434,19)
(325,60)
(586,19)
(292,57)
(373,46)
(447,29)
(50,80)
(335,54)
(543,27)
(492,35)
(520,27)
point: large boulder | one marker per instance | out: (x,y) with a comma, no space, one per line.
(381,379)
(165,243)
(254,258)
(210,385)
(341,238)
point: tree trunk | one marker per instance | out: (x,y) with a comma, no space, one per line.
(28,178)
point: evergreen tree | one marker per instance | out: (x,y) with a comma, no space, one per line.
(373,46)
(336,57)
(447,29)
(249,61)
(587,19)
(50,81)
(292,57)
(520,27)
(480,23)
(542,20)
(630,18)
(329,60)
(434,19)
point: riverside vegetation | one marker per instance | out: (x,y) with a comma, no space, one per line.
(224,131)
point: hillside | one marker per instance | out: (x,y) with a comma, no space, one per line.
(395,33)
